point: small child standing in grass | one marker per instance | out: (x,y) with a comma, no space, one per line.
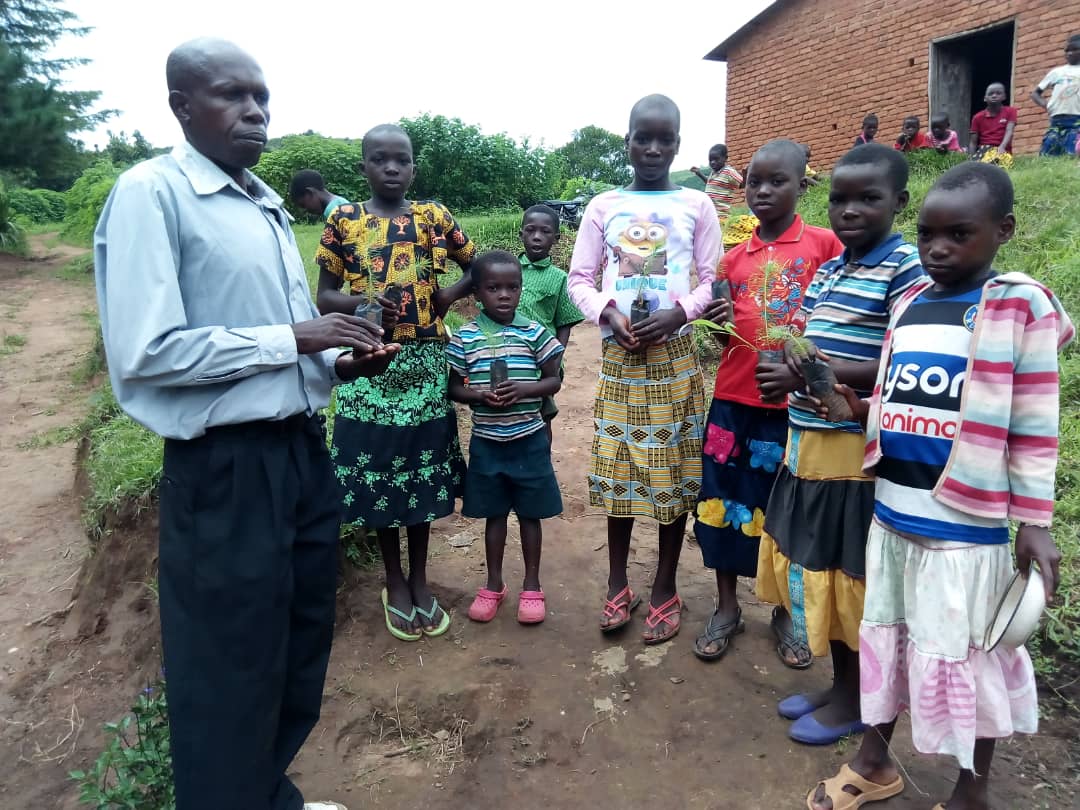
(745,436)
(509,454)
(962,433)
(723,183)
(544,296)
(1063,135)
(649,414)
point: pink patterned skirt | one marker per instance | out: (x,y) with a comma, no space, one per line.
(920,644)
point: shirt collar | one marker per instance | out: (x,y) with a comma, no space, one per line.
(878,254)
(206,177)
(792,234)
(488,326)
(543,264)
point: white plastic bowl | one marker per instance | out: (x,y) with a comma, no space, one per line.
(1017,616)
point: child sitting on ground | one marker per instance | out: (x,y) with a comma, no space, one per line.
(910,138)
(995,125)
(1063,136)
(544,297)
(941,137)
(649,414)
(811,563)
(811,173)
(744,435)
(509,454)
(962,433)
(723,183)
(869,130)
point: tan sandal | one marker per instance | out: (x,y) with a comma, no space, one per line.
(867,791)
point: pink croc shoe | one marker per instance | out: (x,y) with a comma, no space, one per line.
(486,604)
(531,608)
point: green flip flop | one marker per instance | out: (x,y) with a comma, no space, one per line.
(444,625)
(397,632)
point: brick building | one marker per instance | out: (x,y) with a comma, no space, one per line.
(811,69)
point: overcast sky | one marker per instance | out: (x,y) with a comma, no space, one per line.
(539,70)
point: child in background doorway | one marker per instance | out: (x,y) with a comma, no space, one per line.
(869,130)
(723,183)
(995,125)
(744,435)
(649,413)
(509,454)
(938,557)
(910,138)
(941,137)
(812,558)
(1064,104)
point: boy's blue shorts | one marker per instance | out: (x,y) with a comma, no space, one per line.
(515,475)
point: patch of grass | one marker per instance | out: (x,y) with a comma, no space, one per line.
(11,344)
(80,269)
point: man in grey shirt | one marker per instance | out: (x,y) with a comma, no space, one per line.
(213,342)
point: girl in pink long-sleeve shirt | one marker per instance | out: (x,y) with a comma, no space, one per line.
(657,243)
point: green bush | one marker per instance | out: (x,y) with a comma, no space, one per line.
(86,199)
(38,205)
(336,160)
(134,772)
(11,235)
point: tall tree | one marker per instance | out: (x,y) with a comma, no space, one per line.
(37,114)
(596,154)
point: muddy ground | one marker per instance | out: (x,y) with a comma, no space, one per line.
(554,715)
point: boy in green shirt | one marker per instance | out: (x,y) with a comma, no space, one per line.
(544,298)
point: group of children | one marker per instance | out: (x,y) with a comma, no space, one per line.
(950,375)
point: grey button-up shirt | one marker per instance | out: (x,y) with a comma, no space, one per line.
(198,281)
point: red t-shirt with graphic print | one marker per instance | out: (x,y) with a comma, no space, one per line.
(801,249)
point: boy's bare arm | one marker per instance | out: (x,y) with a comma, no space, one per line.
(973,142)
(1006,142)
(1037,97)
(697,171)
(446,296)
(460,392)
(562,334)
(548,385)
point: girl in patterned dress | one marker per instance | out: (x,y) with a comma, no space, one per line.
(649,415)
(395,443)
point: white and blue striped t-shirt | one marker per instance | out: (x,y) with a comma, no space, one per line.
(847,308)
(920,413)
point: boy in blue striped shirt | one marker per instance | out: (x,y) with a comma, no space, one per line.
(812,557)
(509,454)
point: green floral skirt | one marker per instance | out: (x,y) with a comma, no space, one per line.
(395,447)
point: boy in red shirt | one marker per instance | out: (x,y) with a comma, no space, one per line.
(745,437)
(995,125)
(910,138)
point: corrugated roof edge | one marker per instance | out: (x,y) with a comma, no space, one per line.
(719,53)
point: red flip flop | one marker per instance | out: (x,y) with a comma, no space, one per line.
(670,613)
(619,609)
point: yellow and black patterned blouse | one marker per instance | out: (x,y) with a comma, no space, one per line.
(409,250)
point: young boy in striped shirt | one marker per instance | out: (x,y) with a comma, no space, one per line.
(812,558)
(502,365)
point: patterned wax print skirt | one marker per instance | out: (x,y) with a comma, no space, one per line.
(928,605)
(1061,138)
(395,447)
(744,447)
(812,558)
(649,421)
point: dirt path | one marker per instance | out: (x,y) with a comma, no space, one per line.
(553,715)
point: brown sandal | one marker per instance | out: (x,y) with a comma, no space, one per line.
(866,791)
(620,609)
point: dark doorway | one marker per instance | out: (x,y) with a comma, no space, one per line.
(962,65)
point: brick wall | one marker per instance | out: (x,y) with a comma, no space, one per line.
(812,69)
